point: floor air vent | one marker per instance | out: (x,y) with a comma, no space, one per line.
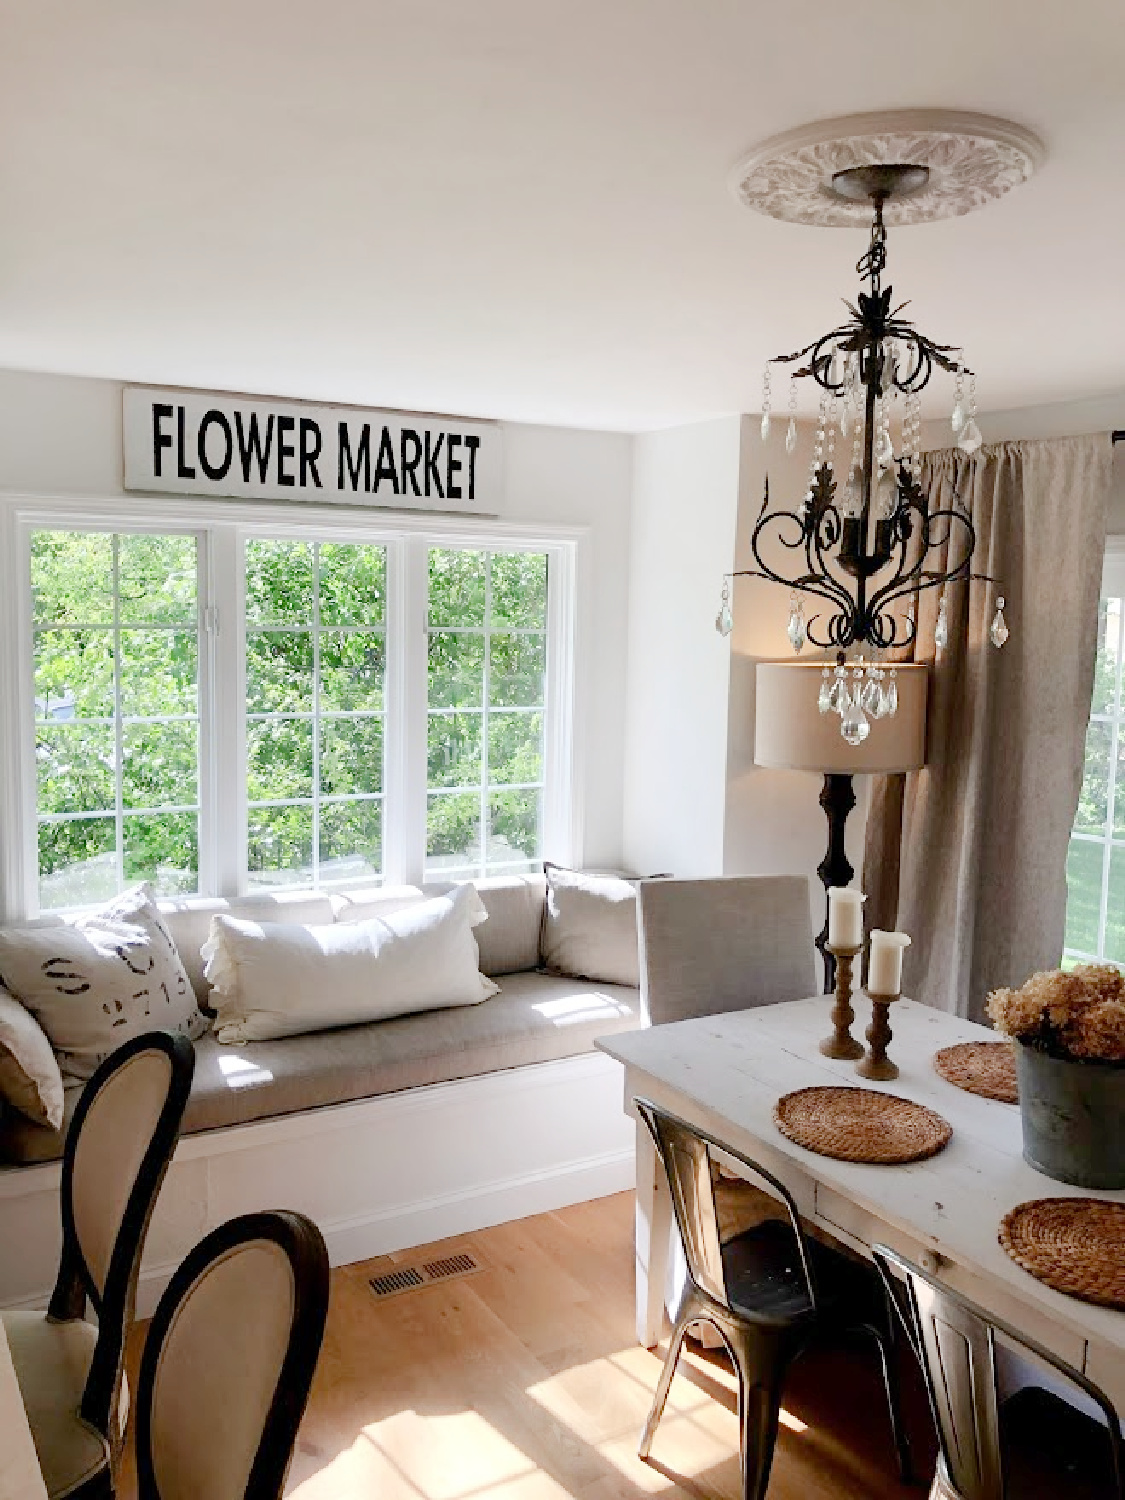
(410,1278)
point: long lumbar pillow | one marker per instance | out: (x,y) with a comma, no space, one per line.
(273,979)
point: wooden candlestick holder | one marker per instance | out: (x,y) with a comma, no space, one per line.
(877,1064)
(841,1043)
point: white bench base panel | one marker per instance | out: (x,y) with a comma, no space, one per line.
(377,1175)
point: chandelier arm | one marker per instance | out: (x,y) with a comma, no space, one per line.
(779,519)
(905,580)
(840,593)
(806,584)
(819,580)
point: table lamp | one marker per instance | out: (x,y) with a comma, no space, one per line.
(792,734)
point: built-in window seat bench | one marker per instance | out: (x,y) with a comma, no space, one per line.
(388,1134)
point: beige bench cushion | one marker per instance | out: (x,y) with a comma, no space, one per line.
(535,1018)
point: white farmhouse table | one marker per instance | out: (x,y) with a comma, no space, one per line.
(725,1073)
(20,1475)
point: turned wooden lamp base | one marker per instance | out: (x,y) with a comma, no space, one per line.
(841,1043)
(877,1064)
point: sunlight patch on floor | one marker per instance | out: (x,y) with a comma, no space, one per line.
(408,1457)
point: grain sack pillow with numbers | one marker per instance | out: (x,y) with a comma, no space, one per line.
(97,981)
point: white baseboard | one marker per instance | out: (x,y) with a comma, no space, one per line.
(377,1176)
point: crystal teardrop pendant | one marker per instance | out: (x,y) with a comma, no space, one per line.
(941,630)
(870,698)
(724,620)
(887,495)
(796,629)
(998,631)
(889,696)
(855,725)
(970,439)
(791,438)
(838,696)
(853,495)
(765,427)
(824,700)
(885,453)
(957,420)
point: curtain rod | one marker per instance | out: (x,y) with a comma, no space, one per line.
(1118,436)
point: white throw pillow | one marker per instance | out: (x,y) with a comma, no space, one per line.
(94,983)
(30,1079)
(274,979)
(590,927)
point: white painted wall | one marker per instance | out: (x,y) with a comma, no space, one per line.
(567,477)
(62,435)
(685,500)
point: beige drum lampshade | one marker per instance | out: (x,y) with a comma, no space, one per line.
(792,734)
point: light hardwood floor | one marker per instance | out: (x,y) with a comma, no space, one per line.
(525,1382)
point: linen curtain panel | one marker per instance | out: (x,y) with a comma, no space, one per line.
(968,855)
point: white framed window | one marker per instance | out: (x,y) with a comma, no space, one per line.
(221,697)
(1095,874)
(486,711)
(316,659)
(117,712)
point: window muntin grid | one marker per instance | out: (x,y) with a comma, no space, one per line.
(486,719)
(315,694)
(115,642)
(1095,917)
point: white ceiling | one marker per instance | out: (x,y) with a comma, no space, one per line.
(519,209)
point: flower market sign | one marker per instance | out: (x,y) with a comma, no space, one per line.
(201,443)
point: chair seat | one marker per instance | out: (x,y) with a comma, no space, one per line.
(766,1283)
(51,1361)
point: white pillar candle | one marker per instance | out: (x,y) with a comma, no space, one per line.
(884,964)
(845,917)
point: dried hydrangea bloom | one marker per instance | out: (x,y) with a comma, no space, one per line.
(1081,1012)
(1098,1031)
(1016,1013)
(1103,981)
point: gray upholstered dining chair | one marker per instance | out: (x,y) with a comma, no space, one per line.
(770,1291)
(117,1151)
(960,1348)
(710,946)
(229,1360)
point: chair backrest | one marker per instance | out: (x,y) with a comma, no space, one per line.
(709,946)
(686,1155)
(117,1151)
(957,1344)
(229,1359)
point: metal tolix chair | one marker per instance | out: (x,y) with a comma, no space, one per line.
(770,1292)
(957,1345)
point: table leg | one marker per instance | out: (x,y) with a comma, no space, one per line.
(653,1232)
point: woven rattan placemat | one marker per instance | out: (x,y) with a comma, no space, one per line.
(985,1068)
(861,1125)
(1075,1245)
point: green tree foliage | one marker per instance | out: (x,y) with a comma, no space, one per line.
(316,649)
(487,641)
(104,670)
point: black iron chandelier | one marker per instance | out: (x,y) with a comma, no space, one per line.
(865,540)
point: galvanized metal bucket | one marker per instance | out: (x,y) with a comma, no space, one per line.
(1073,1118)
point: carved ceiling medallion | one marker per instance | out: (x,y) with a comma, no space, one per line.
(972,161)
